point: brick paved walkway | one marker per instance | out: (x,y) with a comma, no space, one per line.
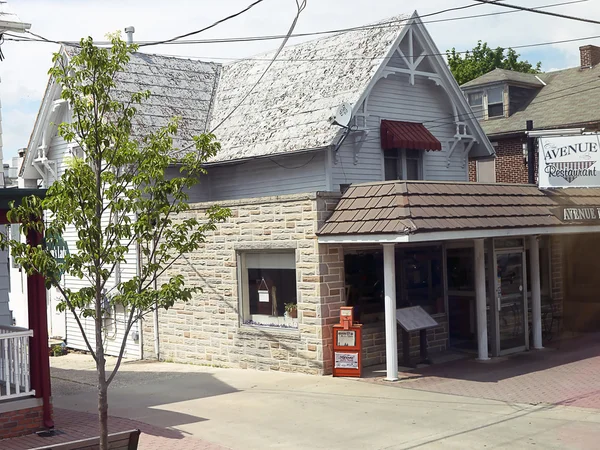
(78,425)
(567,375)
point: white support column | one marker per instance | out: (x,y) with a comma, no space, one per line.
(480,301)
(391,338)
(536,295)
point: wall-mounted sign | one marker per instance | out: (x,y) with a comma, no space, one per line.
(578,214)
(346,360)
(346,338)
(58,247)
(569,161)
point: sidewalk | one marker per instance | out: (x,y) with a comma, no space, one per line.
(73,425)
(568,375)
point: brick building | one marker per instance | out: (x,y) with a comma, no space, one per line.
(503,101)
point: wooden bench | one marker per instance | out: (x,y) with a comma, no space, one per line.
(125,440)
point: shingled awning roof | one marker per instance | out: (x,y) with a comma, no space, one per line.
(410,135)
(417,211)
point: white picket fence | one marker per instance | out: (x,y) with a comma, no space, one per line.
(14,362)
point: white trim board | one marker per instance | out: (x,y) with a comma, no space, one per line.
(455,235)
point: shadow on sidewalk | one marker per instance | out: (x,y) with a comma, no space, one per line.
(138,396)
(556,354)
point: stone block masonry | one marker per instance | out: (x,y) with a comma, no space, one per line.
(209,329)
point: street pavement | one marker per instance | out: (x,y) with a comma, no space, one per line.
(460,405)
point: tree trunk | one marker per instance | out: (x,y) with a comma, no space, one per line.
(103,409)
(102,387)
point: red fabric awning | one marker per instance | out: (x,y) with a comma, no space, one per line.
(408,135)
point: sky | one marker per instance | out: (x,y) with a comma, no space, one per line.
(23,73)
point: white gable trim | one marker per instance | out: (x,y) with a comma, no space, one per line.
(463,116)
(48,108)
(453,89)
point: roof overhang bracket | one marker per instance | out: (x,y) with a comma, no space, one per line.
(51,127)
(470,140)
(468,148)
(360,137)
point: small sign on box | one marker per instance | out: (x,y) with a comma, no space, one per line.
(346,360)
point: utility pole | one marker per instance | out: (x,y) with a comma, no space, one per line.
(530,154)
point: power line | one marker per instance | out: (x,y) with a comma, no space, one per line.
(218,22)
(449,119)
(547,13)
(387,24)
(371,58)
(514,47)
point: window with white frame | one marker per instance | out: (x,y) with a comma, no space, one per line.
(268,289)
(495,102)
(403,164)
(475,99)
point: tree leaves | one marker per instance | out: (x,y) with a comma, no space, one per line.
(117,196)
(483,59)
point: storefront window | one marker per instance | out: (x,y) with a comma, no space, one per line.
(461,269)
(419,281)
(269,296)
(422,279)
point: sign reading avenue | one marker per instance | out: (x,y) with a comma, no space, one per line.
(580,214)
(569,161)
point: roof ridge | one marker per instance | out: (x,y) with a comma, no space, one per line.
(399,18)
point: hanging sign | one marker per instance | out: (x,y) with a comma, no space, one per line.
(57,247)
(569,161)
(263,292)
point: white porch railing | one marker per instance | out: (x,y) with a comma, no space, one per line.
(14,362)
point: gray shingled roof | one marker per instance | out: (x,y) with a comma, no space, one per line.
(501,75)
(179,87)
(288,110)
(569,99)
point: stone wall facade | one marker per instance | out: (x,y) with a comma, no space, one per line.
(209,329)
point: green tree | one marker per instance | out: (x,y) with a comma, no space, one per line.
(482,59)
(121,203)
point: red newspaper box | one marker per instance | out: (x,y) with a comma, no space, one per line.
(347,345)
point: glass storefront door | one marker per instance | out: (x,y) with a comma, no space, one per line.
(511,302)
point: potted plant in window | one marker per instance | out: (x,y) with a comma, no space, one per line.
(291,310)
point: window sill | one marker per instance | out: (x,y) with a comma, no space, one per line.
(267,331)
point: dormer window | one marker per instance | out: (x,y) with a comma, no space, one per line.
(475,99)
(487,103)
(495,101)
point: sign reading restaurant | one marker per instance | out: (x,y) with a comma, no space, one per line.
(569,161)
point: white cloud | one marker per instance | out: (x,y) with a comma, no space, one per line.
(24,72)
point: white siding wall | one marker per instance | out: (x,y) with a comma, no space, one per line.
(5,313)
(393,98)
(268,177)
(115,324)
